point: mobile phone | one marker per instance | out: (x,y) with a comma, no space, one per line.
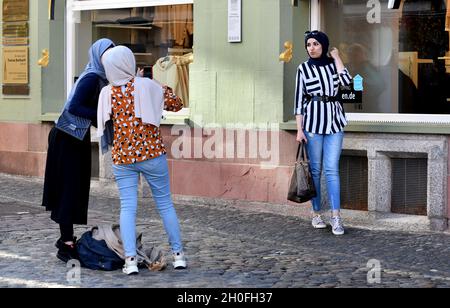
(148,72)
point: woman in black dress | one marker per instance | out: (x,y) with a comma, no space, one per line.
(68,169)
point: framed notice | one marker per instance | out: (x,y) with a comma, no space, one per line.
(15,10)
(15,65)
(234,21)
(15,33)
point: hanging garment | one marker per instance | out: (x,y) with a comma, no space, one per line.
(173,71)
(183,24)
(165,71)
(183,74)
(176,23)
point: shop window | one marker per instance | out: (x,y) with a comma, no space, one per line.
(161,38)
(403,55)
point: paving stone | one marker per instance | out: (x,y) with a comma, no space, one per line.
(226,247)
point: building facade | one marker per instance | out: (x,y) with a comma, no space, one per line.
(235,138)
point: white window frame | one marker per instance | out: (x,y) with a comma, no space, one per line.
(73,10)
(379,117)
(88,5)
(315,15)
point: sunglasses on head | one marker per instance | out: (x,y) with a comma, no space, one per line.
(315,32)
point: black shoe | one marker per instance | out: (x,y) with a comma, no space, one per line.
(66,252)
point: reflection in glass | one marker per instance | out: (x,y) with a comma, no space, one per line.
(400,58)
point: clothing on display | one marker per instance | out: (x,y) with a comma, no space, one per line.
(135,20)
(105,22)
(176,23)
(173,71)
(153,33)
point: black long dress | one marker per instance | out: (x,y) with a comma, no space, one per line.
(68,168)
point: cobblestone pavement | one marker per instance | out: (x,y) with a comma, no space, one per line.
(226,247)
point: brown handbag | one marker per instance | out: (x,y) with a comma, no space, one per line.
(301,188)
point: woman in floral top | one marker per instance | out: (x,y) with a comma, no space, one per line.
(135,105)
(135,142)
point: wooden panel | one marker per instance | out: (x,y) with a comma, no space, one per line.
(16,90)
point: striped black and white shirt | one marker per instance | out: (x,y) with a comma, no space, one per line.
(320,117)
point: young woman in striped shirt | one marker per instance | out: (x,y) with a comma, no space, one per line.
(321,120)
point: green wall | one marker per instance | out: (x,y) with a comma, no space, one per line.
(27,108)
(237,82)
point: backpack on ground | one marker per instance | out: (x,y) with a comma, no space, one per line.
(95,254)
(101,248)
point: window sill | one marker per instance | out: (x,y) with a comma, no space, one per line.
(49,117)
(169,119)
(5,97)
(372,127)
(175,120)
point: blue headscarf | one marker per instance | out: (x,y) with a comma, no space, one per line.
(322,38)
(94,66)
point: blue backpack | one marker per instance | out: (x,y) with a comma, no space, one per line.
(96,255)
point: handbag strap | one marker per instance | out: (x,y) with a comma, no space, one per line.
(301,152)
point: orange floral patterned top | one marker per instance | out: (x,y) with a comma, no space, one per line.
(134,141)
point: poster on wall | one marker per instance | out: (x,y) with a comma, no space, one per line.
(234,21)
(15,65)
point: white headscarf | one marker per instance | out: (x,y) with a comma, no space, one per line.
(120,68)
(120,65)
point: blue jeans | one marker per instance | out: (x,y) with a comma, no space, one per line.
(326,150)
(156,172)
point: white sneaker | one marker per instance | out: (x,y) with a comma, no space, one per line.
(318,223)
(131,266)
(336,225)
(179,261)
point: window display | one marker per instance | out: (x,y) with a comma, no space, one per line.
(161,38)
(402,58)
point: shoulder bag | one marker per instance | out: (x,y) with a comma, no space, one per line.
(301,188)
(73,125)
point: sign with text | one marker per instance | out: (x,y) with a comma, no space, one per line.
(15,65)
(350,95)
(15,33)
(14,10)
(234,21)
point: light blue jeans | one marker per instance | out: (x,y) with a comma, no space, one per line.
(156,172)
(325,150)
